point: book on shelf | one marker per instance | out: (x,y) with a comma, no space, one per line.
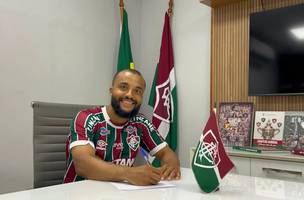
(268,129)
(293,136)
(260,150)
(235,122)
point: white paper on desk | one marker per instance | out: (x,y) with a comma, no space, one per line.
(128,187)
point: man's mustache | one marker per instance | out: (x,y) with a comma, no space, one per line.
(127,98)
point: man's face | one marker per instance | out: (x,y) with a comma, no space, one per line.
(127,94)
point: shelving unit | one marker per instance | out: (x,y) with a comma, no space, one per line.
(285,166)
(218,3)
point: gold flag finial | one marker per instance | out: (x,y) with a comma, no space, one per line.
(121,5)
(170,10)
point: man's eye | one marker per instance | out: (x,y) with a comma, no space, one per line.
(123,87)
(138,92)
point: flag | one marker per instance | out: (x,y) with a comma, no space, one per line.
(125,60)
(210,162)
(163,96)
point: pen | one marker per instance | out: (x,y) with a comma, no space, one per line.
(144,154)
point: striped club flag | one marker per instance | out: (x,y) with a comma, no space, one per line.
(163,96)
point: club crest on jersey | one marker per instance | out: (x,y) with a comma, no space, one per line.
(163,102)
(133,142)
(207,153)
(101,145)
(104,131)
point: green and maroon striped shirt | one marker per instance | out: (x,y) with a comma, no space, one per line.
(115,144)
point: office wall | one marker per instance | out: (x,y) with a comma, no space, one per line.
(191,29)
(55,51)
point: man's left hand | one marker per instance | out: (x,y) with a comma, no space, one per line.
(170,172)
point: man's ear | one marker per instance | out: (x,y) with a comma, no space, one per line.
(110,90)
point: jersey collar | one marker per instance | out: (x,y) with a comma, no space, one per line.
(108,120)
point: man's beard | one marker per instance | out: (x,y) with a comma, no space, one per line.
(121,113)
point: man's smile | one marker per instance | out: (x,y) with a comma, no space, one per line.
(127,103)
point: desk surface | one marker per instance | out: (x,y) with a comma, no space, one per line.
(233,187)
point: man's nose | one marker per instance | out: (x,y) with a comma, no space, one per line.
(129,93)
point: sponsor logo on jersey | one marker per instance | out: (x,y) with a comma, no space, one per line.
(104,131)
(144,121)
(101,145)
(91,122)
(131,129)
(133,142)
(207,154)
(118,145)
(124,161)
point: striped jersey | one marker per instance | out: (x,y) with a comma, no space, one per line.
(112,143)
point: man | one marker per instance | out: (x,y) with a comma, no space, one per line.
(104,141)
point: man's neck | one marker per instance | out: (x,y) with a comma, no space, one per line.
(114,117)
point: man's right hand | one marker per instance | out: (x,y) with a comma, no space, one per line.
(143,175)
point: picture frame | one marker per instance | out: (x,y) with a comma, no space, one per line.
(268,129)
(293,135)
(235,123)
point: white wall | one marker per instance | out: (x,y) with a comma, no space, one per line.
(66,50)
(191,29)
(56,51)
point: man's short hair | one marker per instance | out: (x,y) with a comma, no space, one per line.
(133,71)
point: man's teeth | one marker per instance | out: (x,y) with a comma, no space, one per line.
(128,101)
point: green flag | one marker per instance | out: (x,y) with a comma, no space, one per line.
(163,96)
(125,60)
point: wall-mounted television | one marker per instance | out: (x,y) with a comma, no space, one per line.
(276,52)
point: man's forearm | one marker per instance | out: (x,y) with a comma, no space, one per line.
(91,167)
(97,169)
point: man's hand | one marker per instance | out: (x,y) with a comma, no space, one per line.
(170,172)
(170,166)
(143,175)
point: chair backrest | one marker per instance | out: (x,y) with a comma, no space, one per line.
(51,127)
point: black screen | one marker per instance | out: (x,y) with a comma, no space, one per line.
(276,55)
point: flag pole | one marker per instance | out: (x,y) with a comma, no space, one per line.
(121,5)
(170,10)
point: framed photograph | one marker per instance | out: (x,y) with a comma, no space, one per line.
(268,129)
(293,136)
(235,122)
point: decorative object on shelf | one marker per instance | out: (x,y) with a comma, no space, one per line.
(262,150)
(268,129)
(293,136)
(235,122)
(298,152)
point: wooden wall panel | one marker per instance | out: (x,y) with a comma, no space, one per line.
(229,56)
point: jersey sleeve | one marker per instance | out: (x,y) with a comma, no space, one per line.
(80,131)
(152,141)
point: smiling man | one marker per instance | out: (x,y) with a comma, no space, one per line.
(104,141)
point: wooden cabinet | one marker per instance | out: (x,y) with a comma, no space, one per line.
(283,166)
(218,3)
